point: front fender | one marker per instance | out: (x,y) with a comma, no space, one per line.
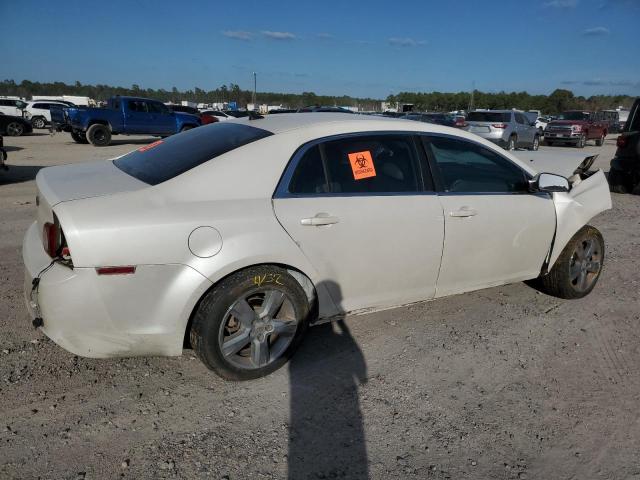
(576,208)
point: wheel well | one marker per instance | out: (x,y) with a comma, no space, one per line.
(98,122)
(301,277)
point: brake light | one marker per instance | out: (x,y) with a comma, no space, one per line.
(621,141)
(51,238)
(460,122)
(499,125)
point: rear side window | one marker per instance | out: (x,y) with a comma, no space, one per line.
(358,165)
(165,159)
(467,167)
(489,117)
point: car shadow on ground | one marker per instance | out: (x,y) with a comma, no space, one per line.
(10,148)
(326,432)
(18,173)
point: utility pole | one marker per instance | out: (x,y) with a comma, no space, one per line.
(253,100)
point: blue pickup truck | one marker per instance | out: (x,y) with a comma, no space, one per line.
(122,115)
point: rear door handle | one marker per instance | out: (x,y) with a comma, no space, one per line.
(319,220)
(464,212)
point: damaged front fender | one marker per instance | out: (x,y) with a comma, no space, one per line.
(588,197)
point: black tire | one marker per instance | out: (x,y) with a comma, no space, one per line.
(185,128)
(14,129)
(535,145)
(560,281)
(582,141)
(617,182)
(512,143)
(600,141)
(213,322)
(38,122)
(549,142)
(99,135)
(79,137)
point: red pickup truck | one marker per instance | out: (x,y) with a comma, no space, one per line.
(576,127)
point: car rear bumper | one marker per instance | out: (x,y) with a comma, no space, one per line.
(101,316)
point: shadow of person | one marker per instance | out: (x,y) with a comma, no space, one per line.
(326,433)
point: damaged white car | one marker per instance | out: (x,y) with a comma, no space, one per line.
(235,236)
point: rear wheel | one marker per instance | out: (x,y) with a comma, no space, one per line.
(600,141)
(38,122)
(536,143)
(251,323)
(79,137)
(99,135)
(578,267)
(14,129)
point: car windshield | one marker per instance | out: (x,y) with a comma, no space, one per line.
(165,159)
(574,116)
(488,117)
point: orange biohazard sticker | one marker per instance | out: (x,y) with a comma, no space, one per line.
(150,146)
(362,165)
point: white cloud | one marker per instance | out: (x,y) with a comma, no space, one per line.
(238,34)
(562,3)
(278,35)
(405,42)
(324,35)
(596,31)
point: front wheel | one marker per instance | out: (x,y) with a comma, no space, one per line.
(578,267)
(99,135)
(600,141)
(79,137)
(582,141)
(14,129)
(251,323)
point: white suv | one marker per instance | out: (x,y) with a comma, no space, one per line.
(40,112)
(12,106)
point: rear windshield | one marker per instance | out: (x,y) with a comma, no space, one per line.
(165,159)
(488,117)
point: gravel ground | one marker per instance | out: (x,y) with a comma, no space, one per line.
(501,383)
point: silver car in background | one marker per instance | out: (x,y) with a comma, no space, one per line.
(509,129)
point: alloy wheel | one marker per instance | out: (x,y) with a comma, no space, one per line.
(258,328)
(15,129)
(585,265)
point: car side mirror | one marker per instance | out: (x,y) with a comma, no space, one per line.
(549,182)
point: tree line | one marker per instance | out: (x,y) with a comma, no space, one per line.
(557,101)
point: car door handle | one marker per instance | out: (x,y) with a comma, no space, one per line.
(319,220)
(464,212)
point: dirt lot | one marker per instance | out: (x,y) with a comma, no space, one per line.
(502,383)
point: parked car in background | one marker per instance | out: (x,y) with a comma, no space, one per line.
(241,263)
(205,118)
(509,129)
(39,112)
(610,118)
(624,174)
(14,126)
(323,108)
(219,114)
(445,119)
(3,155)
(540,122)
(12,106)
(123,115)
(237,113)
(282,110)
(575,127)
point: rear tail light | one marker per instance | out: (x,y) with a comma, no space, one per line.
(622,141)
(499,125)
(52,238)
(460,122)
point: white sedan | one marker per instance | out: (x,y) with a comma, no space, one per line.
(236,236)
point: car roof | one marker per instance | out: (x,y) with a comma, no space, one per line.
(285,122)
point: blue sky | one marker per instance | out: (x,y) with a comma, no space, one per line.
(371,48)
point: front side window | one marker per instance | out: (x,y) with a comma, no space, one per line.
(358,165)
(467,167)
